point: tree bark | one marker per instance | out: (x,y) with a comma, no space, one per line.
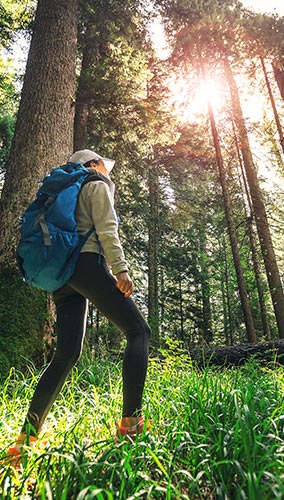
(252,239)
(269,352)
(180,302)
(225,305)
(272,100)
(44,128)
(43,139)
(278,69)
(205,289)
(82,102)
(81,125)
(153,255)
(251,333)
(226,297)
(268,254)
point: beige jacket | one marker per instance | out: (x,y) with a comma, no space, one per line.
(95,208)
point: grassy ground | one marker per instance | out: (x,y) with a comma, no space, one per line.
(216,434)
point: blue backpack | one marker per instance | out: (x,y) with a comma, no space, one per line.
(50,244)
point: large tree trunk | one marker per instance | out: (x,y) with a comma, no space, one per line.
(268,254)
(43,139)
(44,129)
(251,333)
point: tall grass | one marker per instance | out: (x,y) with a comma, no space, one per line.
(216,434)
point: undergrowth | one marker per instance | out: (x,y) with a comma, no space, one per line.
(216,434)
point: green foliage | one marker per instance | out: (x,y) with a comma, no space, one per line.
(202,33)
(9,98)
(6,135)
(23,312)
(265,32)
(215,434)
(120,82)
(124,89)
(15,15)
(174,354)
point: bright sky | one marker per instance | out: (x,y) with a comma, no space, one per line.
(268,6)
(20,48)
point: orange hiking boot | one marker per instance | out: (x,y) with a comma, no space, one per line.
(15,454)
(131,427)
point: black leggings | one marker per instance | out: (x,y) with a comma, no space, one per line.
(92,280)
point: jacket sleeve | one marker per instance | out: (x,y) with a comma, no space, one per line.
(105,221)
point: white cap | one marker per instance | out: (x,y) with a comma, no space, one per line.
(86,155)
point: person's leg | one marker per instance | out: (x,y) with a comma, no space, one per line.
(93,281)
(71,319)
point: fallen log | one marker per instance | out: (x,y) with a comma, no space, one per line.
(238,354)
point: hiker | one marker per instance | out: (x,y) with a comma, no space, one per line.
(110,292)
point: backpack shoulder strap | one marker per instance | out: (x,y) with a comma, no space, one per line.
(96,176)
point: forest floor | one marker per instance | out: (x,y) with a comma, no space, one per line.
(216,434)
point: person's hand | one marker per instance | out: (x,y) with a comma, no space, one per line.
(124,283)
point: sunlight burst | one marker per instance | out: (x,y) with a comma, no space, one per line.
(189,101)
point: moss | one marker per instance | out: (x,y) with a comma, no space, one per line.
(24,313)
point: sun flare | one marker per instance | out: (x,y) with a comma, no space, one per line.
(189,101)
(189,104)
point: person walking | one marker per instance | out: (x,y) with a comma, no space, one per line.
(101,277)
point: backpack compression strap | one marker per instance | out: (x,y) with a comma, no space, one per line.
(40,220)
(45,230)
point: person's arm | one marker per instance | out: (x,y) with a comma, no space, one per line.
(105,222)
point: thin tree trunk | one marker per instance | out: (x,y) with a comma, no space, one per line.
(153,255)
(205,290)
(197,315)
(98,317)
(254,253)
(181,312)
(272,100)
(82,103)
(268,254)
(81,125)
(225,312)
(162,300)
(251,333)
(278,69)
(229,334)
